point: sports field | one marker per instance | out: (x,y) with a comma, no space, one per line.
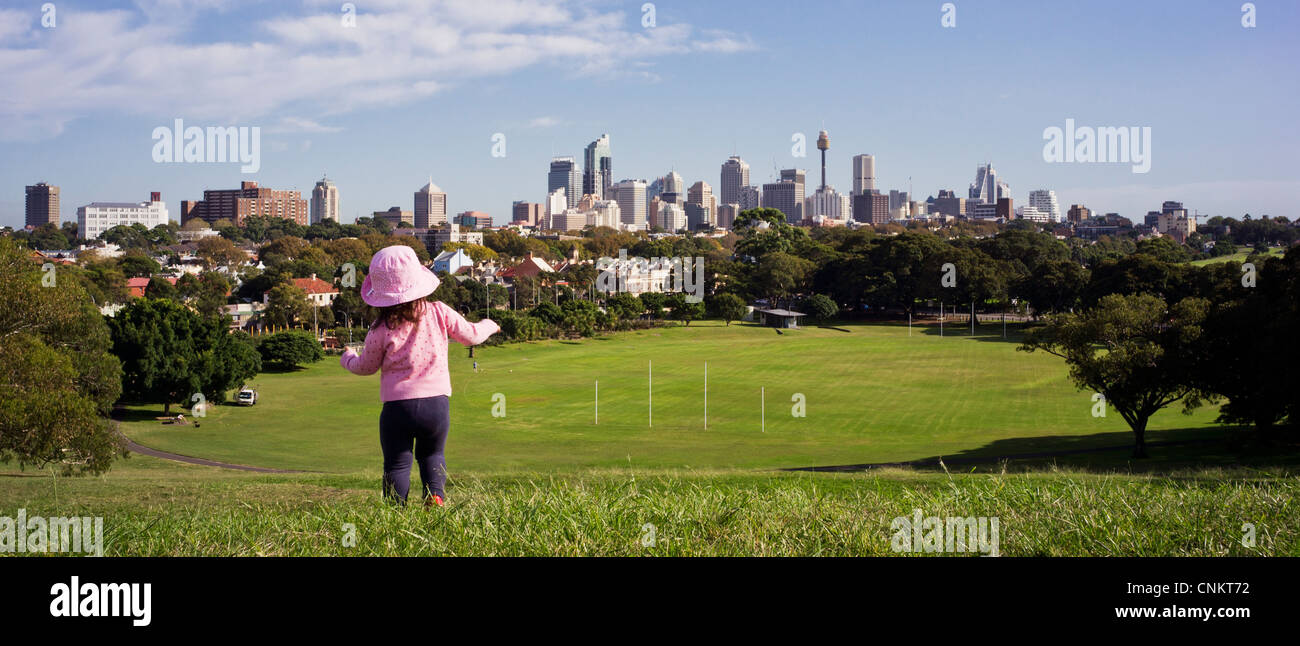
(871,394)
(545,479)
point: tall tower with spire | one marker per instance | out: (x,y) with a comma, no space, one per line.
(823,144)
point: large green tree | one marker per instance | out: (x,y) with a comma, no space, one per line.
(1134,350)
(170,353)
(58,380)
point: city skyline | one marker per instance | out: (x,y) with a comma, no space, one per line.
(657,92)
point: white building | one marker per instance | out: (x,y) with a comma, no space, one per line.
(324,201)
(1045,201)
(97,217)
(1033,214)
(632,203)
(556,203)
(828,203)
(864,174)
(569,220)
(606,213)
(671,217)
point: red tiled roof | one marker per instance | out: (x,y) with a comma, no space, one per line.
(314,285)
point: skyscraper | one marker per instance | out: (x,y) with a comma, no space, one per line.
(1045,201)
(673,183)
(430,206)
(864,174)
(42,204)
(735,176)
(632,202)
(786,195)
(324,201)
(597,173)
(987,188)
(564,174)
(700,196)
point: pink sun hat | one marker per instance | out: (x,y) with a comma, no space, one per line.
(396,276)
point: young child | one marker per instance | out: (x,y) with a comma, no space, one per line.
(408,342)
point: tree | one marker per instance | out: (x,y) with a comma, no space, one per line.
(160,287)
(287,304)
(1133,350)
(821,308)
(729,307)
(289,349)
(216,251)
(206,293)
(654,303)
(625,306)
(780,275)
(684,310)
(58,380)
(48,236)
(1252,349)
(1056,286)
(136,264)
(169,354)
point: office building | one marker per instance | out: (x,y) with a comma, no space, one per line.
(564,174)
(1044,201)
(1078,213)
(864,174)
(97,217)
(987,188)
(871,208)
(632,203)
(396,217)
(527,213)
(735,176)
(474,219)
(430,206)
(597,171)
(324,201)
(249,200)
(42,205)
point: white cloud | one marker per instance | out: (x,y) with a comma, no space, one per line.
(147,61)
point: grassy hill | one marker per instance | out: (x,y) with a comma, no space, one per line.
(547,480)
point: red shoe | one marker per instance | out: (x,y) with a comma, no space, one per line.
(435,499)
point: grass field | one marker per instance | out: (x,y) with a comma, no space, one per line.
(873,394)
(547,480)
(1238,257)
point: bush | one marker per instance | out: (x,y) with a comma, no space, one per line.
(289,349)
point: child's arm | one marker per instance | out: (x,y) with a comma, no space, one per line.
(462,331)
(372,355)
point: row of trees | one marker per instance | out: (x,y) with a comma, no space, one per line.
(1164,339)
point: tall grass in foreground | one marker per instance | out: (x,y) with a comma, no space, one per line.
(614,514)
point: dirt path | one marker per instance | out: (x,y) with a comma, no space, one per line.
(135,447)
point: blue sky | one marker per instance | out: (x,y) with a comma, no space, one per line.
(418,89)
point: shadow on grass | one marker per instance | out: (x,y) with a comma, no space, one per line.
(987,332)
(1169,451)
(837,329)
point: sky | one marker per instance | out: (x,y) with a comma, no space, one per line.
(416,90)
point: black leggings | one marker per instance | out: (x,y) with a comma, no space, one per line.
(424,421)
